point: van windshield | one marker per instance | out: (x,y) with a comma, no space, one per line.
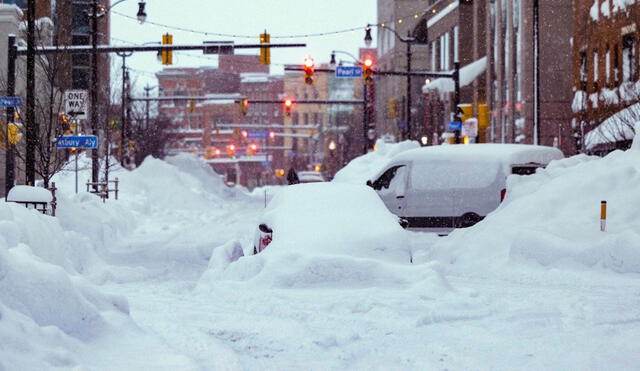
(437,175)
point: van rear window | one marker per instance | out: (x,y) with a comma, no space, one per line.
(527,169)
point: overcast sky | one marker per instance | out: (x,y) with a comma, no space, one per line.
(242,17)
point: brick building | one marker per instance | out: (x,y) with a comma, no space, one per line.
(605,73)
(199,126)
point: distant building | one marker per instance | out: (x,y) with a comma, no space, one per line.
(606,81)
(203,128)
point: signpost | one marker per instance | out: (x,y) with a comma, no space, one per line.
(257,134)
(75,103)
(349,71)
(77,141)
(10,101)
(455,125)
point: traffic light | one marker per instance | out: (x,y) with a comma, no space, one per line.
(367,70)
(252,149)
(272,135)
(14,133)
(308,67)
(288,105)
(245,134)
(244,106)
(167,55)
(265,53)
(192,105)
(231,149)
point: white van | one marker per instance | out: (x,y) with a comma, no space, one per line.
(440,188)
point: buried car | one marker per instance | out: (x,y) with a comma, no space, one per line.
(330,218)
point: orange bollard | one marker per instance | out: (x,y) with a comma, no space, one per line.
(603,215)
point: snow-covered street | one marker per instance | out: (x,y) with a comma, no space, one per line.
(157,278)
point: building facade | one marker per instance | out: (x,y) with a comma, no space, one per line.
(605,74)
(245,145)
(398,19)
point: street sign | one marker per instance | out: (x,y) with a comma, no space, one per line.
(348,71)
(257,134)
(81,141)
(10,101)
(75,103)
(455,125)
(470,128)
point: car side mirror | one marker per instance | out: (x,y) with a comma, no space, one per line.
(264,229)
(404,223)
(369,183)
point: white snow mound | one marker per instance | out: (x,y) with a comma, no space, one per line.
(552,219)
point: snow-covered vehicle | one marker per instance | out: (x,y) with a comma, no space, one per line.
(327,217)
(440,188)
(310,177)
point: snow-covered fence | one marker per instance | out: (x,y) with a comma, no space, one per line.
(38,198)
(103,188)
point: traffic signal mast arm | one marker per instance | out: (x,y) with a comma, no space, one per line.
(83,49)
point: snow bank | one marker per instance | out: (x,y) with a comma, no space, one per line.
(362,168)
(552,219)
(343,237)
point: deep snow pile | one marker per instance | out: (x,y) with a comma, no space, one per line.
(362,168)
(328,235)
(552,219)
(51,312)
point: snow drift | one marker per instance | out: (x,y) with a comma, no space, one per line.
(552,219)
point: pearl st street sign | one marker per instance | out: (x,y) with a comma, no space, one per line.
(78,141)
(75,103)
(349,71)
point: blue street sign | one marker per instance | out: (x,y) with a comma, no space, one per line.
(82,141)
(455,125)
(265,163)
(348,71)
(10,101)
(257,134)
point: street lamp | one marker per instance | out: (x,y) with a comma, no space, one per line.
(96,13)
(407,40)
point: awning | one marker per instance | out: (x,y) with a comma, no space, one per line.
(468,73)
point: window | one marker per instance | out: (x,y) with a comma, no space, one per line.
(583,70)
(607,67)
(616,66)
(595,70)
(433,56)
(455,43)
(628,57)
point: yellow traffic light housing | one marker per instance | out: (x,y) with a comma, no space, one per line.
(309,65)
(244,106)
(265,53)
(367,70)
(167,55)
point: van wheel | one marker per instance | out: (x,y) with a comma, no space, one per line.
(468,219)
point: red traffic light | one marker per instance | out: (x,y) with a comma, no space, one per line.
(231,149)
(367,67)
(308,63)
(308,66)
(252,149)
(368,62)
(288,103)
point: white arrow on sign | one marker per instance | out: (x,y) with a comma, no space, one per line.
(75,103)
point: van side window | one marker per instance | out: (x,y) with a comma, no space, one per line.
(385,179)
(525,169)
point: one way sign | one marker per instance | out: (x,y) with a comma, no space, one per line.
(75,103)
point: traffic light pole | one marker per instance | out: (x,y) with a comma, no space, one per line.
(11,90)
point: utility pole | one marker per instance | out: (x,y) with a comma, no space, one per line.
(11,87)
(123,103)
(536,73)
(456,96)
(32,126)
(95,166)
(408,42)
